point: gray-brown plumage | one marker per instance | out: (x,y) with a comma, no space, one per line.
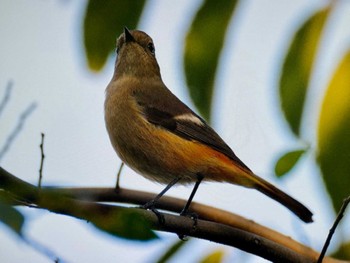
(158,136)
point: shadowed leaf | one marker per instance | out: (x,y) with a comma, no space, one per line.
(334,135)
(103,22)
(203,45)
(11,217)
(297,68)
(118,221)
(287,162)
(126,224)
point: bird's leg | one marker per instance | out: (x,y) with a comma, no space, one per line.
(151,204)
(185,212)
(117,186)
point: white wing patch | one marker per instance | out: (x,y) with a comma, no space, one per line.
(190,118)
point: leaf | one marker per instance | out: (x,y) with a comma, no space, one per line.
(343,252)
(287,162)
(297,68)
(214,257)
(334,135)
(172,251)
(103,21)
(204,42)
(127,224)
(11,217)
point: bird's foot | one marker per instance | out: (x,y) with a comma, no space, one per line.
(192,216)
(151,206)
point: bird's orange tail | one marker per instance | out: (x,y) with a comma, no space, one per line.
(244,177)
(293,205)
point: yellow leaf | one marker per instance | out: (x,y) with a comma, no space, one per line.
(334,134)
(214,257)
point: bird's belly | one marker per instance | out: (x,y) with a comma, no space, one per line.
(156,153)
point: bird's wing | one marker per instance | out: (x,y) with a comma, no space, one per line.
(182,121)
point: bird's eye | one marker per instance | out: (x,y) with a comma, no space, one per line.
(151,48)
(117,50)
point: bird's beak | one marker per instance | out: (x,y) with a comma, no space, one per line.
(128,36)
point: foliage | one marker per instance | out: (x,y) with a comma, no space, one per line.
(297,67)
(287,162)
(214,257)
(103,20)
(171,251)
(334,135)
(10,216)
(208,29)
(204,41)
(203,45)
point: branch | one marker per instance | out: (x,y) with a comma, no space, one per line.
(42,160)
(333,228)
(81,203)
(204,212)
(6,97)
(20,123)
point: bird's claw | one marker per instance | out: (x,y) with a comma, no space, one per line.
(192,216)
(150,206)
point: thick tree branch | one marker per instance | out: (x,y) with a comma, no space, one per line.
(81,203)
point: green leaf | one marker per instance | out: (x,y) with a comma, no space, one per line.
(343,252)
(103,22)
(334,135)
(204,42)
(287,162)
(172,251)
(11,217)
(127,224)
(214,257)
(297,68)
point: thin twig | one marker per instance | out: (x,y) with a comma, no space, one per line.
(42,160)
(333,228)
(21,120)
(117,186)
(6,97)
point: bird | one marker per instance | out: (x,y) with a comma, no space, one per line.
(162,139)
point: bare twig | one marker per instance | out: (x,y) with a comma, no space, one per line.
(21,120)
(333,228)
(117,186)
(42,160)
(6,97)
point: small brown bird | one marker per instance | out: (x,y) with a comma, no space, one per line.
(161,138)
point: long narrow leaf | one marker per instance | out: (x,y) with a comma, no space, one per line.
(103,21)
(171,251)
(334,135)
(11,217)
(297,68)
(204,42)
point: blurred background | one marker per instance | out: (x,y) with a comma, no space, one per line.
(269,75)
